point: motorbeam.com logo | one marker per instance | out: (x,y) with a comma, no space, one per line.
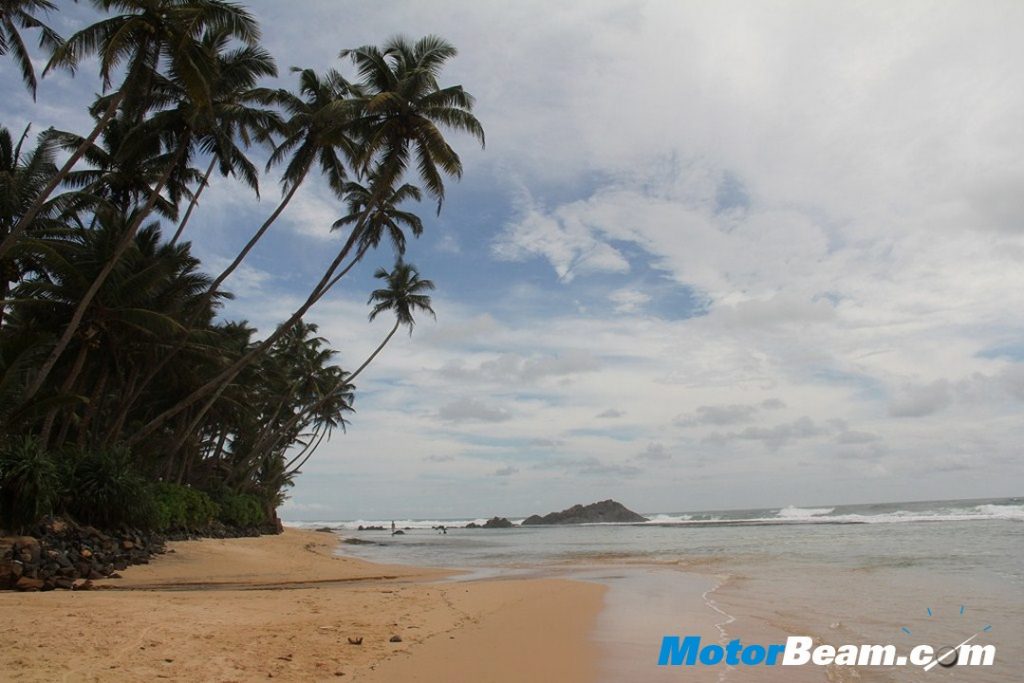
(800,650)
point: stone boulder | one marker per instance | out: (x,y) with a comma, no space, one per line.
(604,512)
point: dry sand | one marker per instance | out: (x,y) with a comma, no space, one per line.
(283,607)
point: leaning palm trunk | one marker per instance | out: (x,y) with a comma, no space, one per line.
(94,288)
(195,200)
(37,205)
(329,278)
(328,395)
(252,241)
(207,297)
(287,473)
(375,352)
(314,442)
(69,383)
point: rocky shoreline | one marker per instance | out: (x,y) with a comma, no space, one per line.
(60,554)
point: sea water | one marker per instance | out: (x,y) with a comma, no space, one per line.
(905,574)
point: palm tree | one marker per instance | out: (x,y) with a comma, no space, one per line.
(141,304)
(403,295)
(178,161)
(22,176)
(238,115)
(389,126)
(125,164)
(380,217)
(20,14)
(316,133)
(402,107)
(147,34)
(157,30)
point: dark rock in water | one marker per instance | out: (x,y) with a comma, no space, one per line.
(473,525)
(370,528)
(325,529)
(497,523)
(603,512)
(357,541)
(398,533)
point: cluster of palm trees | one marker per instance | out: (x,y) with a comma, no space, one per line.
(109,330)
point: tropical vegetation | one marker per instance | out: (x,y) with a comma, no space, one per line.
(126,396)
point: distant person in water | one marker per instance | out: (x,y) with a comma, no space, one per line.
(392,527)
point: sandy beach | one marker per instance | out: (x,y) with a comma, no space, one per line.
(284,607)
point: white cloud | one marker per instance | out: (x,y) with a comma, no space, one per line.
(472,410)
(836,186)
(919,401)
(628,300)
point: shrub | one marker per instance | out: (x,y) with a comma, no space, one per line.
(107,491)
(240,509)
(182,508)
(30,483)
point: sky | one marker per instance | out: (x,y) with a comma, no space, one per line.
(714,255)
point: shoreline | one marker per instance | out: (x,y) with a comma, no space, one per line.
(284,607)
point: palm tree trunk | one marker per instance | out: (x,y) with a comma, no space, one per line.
(253,240)
(343,381)
(37,204)
(374,354)
(194,424)
(228,374)
(94,405)
(318,433)
(157,367)
(94,288)
(195,200)
(308,456)
(69,382)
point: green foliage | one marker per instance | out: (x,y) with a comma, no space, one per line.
(107,491)
(30,483)
(110,333)
(241,510)
(182,508)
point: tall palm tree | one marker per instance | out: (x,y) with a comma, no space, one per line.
(22,177)
(125,164)
(403,296)
(381,217)
(316,133)
(146,34)
(389,126)
(156,31)
(402,108)
(176,165)
(21,14)
(239,114)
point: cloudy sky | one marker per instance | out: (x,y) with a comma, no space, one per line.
(728,254)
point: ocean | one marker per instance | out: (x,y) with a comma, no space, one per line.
(905,574)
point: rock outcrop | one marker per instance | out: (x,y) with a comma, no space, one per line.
(62,554)
(606,511)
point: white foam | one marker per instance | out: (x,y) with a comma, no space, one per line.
(668,519)
(792,512)
(1002,511)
